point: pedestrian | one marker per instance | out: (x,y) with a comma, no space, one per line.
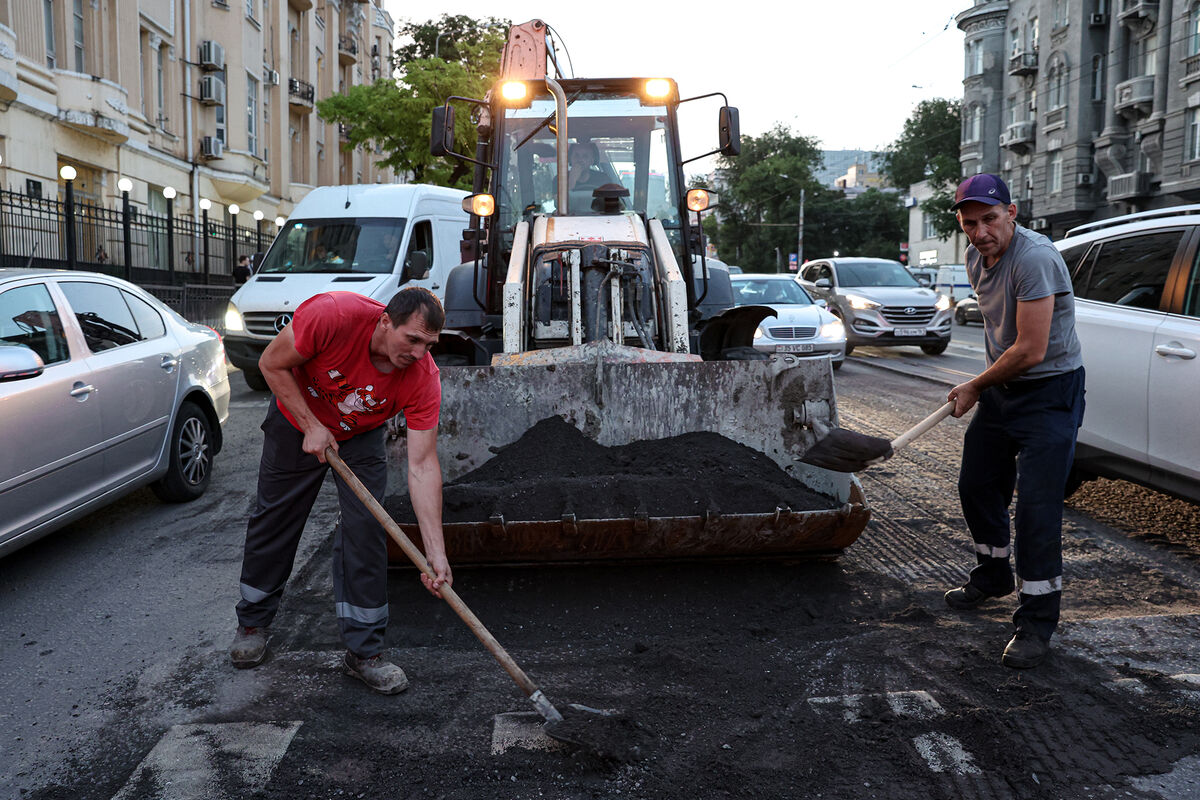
(1028,407)
(241,272)
(339,371)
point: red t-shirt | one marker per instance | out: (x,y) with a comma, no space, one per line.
(343,388)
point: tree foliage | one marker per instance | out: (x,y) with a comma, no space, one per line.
(760,208)
(392,116)
(927,150)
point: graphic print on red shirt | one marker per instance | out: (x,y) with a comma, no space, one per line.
(346,392)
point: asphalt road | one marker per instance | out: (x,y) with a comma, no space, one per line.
(113,636)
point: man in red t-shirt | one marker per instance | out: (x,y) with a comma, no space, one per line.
(339,371)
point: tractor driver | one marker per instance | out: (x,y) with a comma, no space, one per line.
(339,371)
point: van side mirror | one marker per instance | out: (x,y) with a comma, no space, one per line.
(441,135)
(416,266)
(729,131)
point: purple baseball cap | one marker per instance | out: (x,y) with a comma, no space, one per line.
(982,188)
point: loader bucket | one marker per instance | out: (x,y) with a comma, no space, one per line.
(616,396)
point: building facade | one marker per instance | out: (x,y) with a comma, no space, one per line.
(210,98)
(925,249)
(1087,108)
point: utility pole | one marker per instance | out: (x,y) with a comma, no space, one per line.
(800,235)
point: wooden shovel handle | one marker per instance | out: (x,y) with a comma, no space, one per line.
(921,427)
(448,594)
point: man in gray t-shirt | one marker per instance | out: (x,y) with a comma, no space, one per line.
(1028,408)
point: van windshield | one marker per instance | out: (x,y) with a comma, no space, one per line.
(350,244)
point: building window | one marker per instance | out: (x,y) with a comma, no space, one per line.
(1014,41)
(1055,176)
(250,9)
(220,111)
(928,231)
(1193,30)
(1098,77)
(1034,35)
(1062,12)
(252,115)
(160,88)
(973,123)
(1058,84)
(974,58)
(77,27)
(1147,54)
(48,21)
(1032,104)
(1192,135)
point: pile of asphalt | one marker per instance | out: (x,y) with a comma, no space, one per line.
(554,469)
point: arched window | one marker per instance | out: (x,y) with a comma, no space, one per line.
(973,123)
(1058,79)
(1193,30)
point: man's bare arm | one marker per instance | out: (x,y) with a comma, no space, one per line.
(276,364)
(425,490)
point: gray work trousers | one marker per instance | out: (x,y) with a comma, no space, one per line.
(288,482)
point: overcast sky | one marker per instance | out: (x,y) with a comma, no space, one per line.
(848,73)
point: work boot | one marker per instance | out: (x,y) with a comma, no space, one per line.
(382,676)
(249,647)
(969,596)
(1025,650)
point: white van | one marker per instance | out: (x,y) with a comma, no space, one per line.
(371,239)
(952,281)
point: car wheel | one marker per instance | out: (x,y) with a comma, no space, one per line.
(960,316)
(190,457)
(838,364)
(255,380)
(935,349)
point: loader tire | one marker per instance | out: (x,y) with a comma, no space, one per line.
(743,354)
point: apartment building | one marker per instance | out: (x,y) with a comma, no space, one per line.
(1087,108)
(214,99)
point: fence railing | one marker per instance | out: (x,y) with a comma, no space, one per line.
(185,262)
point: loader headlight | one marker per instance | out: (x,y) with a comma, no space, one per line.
(514,92)
(861,303)
(657,88)
(481,205)
(943,302)
(233,319)
(833,330)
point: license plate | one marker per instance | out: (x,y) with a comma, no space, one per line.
(910,331)
(793,348)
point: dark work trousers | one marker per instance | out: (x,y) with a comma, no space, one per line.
(1022,436)
(288,482)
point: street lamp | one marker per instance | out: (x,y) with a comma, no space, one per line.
(205,205)
(169,193)
(258,230)
(68,174)
(280,222)
(126,186)
(233,212)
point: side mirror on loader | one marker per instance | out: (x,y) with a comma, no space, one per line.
(441,136)
(729,131)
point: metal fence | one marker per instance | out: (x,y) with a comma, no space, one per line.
(185,262)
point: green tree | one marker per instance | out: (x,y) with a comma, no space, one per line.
(392,116)
(927,150)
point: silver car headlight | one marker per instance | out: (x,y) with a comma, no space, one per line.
(943,302)
(759,333)
(233,320)
(861,303)
(833,330)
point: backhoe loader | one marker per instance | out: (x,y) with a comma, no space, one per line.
(585,293)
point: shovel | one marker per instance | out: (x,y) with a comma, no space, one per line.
(847,451)
(606,733)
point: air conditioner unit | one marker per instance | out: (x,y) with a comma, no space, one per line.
(212,55)
(212,90)
(1098,20)
(270,77)
(1084,179)
(211,147)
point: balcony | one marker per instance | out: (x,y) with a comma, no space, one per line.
(1138,14)
(300,94)
(1018,136)
(1135,97)
(347,50)
(93,105)
(1023,64)
(1129,185)
(1191,69)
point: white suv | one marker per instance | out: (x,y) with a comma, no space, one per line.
(1137,314)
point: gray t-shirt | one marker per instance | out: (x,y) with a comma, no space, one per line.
(1030,269)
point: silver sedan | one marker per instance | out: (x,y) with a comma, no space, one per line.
(800,326)
(103,389)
